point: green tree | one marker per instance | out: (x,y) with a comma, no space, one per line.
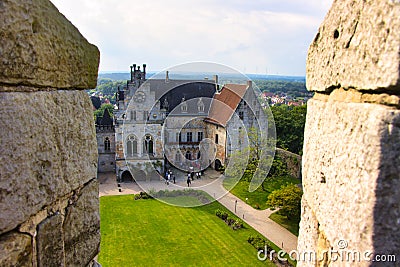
(289,123)
(288,200)
(253,162)
(107,87)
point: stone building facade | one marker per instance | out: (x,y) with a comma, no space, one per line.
(48,187)
(164,122)
(351,161)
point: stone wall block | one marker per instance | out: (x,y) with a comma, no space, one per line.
(357,46)
(308,234)
(15,249)
(82,227)
(47,151)
(351,167)
(50,242)
(39,47)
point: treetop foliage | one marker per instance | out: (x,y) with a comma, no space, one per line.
(289,123)
(288,200)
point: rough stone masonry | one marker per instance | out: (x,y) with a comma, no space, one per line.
(351,162)
(49,207)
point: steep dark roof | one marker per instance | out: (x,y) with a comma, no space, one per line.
(106,120)
(190,90)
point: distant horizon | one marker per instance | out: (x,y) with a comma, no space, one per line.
(195,72)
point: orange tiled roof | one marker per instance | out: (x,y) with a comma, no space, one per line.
(225,103)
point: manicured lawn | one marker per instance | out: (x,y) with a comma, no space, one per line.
(151,233)
(292,226)
(258,198)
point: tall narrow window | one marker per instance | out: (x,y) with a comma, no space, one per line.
(131,146)
(189,137)
(178,157)
(148,144)
(241,115)
(216,138)
(107,144)
(199,136)
(188,155)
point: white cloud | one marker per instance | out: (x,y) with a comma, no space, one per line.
(246,35)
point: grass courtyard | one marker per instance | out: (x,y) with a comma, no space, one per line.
(151,233)
(258,198)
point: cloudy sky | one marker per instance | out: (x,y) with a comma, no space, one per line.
(256,36)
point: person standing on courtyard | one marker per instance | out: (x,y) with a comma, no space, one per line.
(188,180)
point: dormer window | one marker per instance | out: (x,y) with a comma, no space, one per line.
(200,105)
(183,105)
(166,104)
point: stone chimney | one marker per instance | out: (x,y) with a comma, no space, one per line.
(250,84)
(215,78)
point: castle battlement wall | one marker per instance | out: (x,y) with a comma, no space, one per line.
(351,161)
(49,206)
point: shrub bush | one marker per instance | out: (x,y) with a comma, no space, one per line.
(237,224)
(232,222)
(218,212)
(259,243)
(142,195)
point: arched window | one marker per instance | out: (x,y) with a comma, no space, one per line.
(188,155)
(198,155)
(107,144)
(178,156)
(131,146)
(148,144)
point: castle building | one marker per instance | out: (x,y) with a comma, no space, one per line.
(187,124)
(105,135)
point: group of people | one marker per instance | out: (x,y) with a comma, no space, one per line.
(169,176)
(190,176)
